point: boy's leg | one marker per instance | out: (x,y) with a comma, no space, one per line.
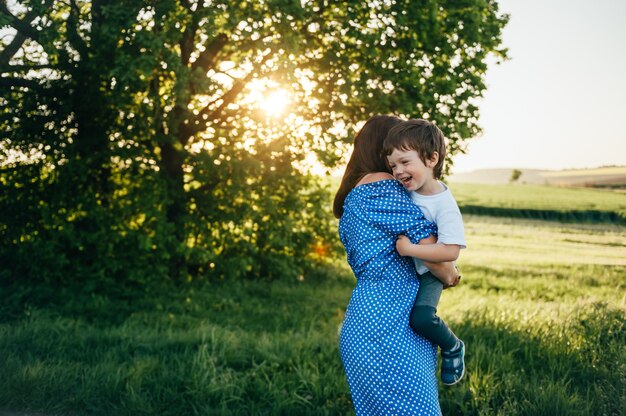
(423,318)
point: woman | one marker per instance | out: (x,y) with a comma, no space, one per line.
(389,368)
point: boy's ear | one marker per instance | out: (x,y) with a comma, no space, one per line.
(433,160)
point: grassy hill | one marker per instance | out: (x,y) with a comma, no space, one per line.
(603,177)
(541,202)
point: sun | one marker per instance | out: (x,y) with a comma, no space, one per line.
(275,103)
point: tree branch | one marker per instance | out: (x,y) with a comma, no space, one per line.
(72,30)
(206,60)
(187,41)
(196,124)
(24,31)
(11,49)
(17,42)
(22,25)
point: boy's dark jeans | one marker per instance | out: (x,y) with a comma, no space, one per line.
(424,320)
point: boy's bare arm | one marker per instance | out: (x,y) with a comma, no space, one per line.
(434,253)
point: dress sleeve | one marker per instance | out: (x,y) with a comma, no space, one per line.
(392,210)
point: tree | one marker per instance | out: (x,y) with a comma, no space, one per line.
(137,120)
(515,175)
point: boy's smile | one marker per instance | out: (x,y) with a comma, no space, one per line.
(412,173)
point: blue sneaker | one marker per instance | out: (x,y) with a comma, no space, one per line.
(453,365)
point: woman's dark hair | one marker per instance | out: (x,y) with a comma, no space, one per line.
(366,157)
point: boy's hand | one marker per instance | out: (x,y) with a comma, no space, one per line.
(453,284)
(403,244)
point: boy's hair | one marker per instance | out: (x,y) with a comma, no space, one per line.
(420,135)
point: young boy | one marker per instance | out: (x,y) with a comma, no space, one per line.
(415,151)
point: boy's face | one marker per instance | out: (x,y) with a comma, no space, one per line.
(410,171)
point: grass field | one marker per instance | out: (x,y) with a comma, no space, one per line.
(541,308)
(542,202)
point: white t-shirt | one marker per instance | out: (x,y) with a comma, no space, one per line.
(443,210)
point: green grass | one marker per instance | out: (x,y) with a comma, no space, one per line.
(244,348)
(542,202)
(541,308)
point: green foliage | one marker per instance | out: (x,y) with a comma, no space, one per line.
(64,254)
(135,152)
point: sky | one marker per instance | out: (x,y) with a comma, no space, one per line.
(560,101)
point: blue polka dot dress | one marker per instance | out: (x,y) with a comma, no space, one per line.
(390,369)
